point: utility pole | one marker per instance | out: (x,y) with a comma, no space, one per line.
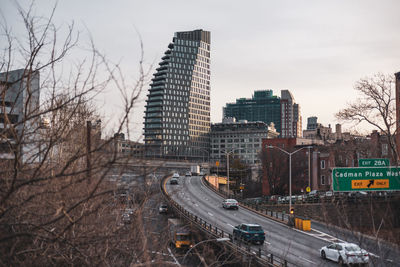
(227,171)
(309,167)
(290,169)
(88,147)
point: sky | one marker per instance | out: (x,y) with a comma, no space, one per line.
(315,49)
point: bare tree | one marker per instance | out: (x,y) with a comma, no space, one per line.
(57,205)
(275,170)
(375,106)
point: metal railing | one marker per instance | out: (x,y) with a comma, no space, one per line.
(259,256)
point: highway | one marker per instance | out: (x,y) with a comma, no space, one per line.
(296,247)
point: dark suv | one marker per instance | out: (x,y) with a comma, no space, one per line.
(249,233)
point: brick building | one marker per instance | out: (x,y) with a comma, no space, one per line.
(312,166)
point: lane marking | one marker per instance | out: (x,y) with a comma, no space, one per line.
(314,263)
(209,213)
(230,225)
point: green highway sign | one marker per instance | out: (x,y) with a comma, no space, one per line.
(366,179)
(373,163)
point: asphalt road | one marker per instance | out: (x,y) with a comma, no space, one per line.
(297,247)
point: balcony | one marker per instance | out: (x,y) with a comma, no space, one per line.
(162,68)
(159,78)
(153,109)
(161,72)
(162,82)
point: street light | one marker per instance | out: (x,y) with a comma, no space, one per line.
(222,239)
(208,157)
(290,169)
(227,163)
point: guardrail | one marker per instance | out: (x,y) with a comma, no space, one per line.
(259,256)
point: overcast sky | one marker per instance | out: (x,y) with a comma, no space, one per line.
(315,49)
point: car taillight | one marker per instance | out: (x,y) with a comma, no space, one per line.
(350,255)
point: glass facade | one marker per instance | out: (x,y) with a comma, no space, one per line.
(263,106)
(177,116)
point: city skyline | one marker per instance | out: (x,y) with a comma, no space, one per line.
(316,50)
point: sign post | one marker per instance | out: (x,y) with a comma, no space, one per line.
(366,179)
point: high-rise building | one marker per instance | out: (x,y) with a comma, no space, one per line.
(177,116)
(265,107)
(312,123)
(19,122)
(297,121)
(290,116)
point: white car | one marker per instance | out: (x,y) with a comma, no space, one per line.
(345,253)
(230,204)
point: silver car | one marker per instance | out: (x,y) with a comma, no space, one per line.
(345,253)
(230,204)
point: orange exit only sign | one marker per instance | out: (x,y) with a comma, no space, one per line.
(373,183)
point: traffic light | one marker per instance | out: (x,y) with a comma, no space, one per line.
(291,211)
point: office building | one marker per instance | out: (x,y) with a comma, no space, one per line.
(177,116)
(265,107)
(312,123)
(290,116)
(126,147)
(242,139)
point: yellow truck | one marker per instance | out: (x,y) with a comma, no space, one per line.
(179,234)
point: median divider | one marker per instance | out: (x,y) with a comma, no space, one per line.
(259,257)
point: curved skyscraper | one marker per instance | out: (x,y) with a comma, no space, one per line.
(177,116)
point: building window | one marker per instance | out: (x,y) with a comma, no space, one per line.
(322,179)
(384,149)
(322,164)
